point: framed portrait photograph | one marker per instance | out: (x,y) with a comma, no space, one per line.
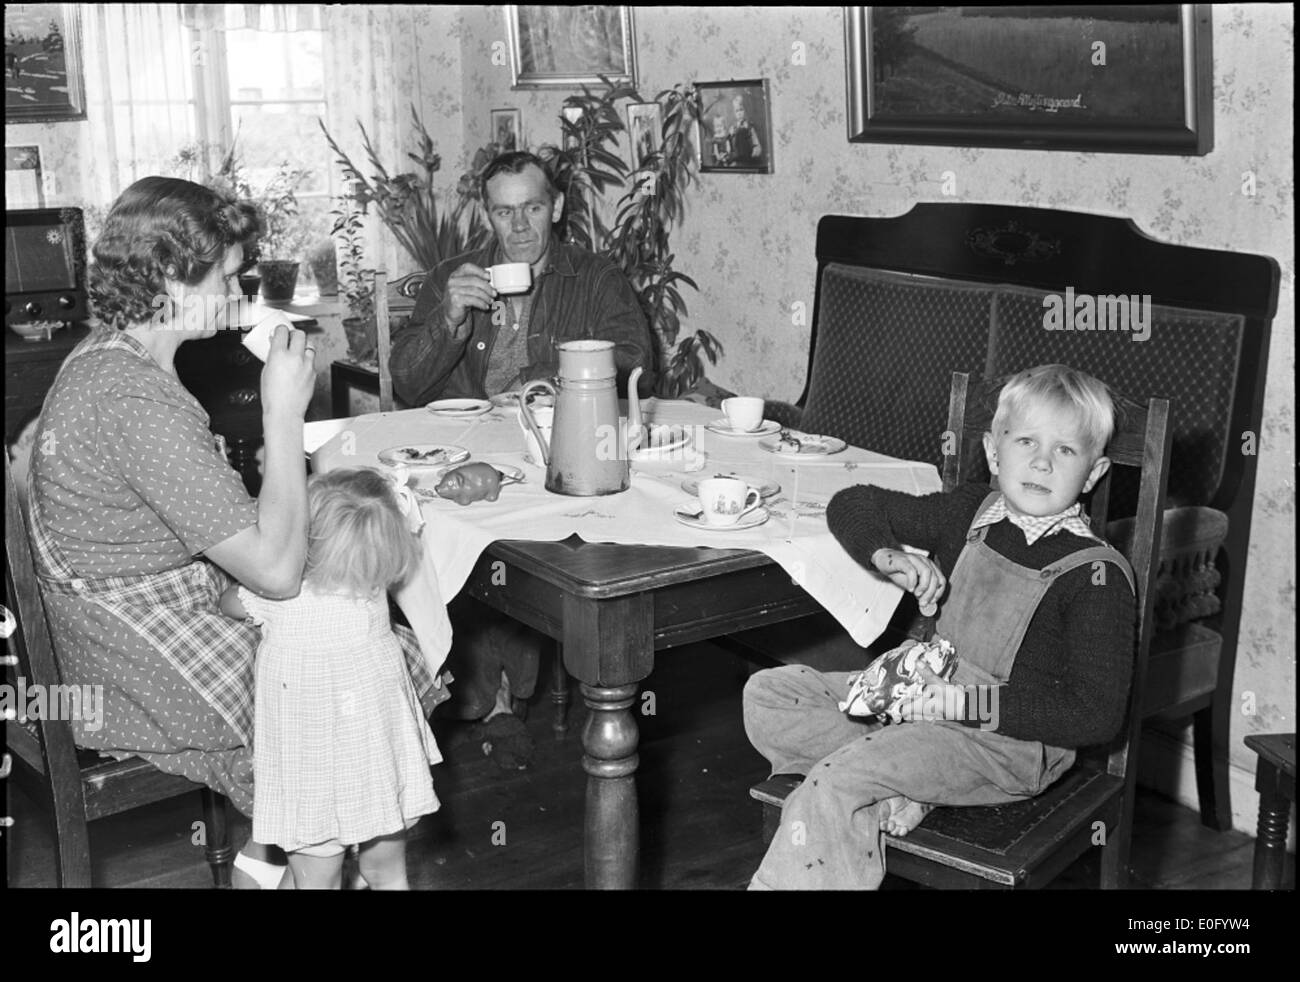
(562,46)
(43,68)
(24,187)
(507,129)
(1119,79)
(645,127)
(735,127)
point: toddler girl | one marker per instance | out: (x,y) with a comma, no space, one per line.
(341,747)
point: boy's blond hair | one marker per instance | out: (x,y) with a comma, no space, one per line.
(1062,387)
(358,540)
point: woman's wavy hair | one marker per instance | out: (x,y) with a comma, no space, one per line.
(358,540)
(162,228)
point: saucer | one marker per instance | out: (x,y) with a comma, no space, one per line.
(691,516)
(723,428)
(423,455)
(765,488)
(795,444)
(459,408)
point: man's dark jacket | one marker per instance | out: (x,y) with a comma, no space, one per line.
(579,295)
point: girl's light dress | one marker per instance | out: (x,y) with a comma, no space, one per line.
(341,748)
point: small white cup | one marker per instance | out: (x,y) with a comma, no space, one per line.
(726,500)
(744,413)
(545,416)
(510,277)
(258,340)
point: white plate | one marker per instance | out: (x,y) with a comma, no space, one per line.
(810,445)
(662,439)
(723,428)
(765,488)
(459,408)
(423,455)
(691,516)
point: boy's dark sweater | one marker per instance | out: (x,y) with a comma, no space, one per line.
(1070,681)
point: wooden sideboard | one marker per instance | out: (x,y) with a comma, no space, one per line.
(30,367)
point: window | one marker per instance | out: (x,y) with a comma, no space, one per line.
(178,86)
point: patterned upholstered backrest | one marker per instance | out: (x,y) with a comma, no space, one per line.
(886,347)
(1190,358)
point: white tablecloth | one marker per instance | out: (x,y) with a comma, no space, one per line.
(795,536)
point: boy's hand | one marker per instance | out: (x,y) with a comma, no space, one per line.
(937,700)
(919,575)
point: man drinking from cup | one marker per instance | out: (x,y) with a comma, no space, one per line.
(486,323)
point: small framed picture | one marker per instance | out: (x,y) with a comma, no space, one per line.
(735,127)
(570,116)
(645,125)
(507,129)
(24,187)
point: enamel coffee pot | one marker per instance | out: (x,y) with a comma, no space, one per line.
(587,453)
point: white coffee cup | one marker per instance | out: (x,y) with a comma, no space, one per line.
(510,277)
(545,417)
(744,413)
(258,340)
(726,500)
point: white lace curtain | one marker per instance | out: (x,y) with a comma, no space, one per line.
(145,99)
(255,16)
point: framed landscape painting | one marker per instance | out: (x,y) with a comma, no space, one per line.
(1122,79)
(565,46)
(43,73)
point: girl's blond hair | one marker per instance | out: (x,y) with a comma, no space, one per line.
(1064,388)
(358,540)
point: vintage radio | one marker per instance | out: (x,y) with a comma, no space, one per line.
(45,266)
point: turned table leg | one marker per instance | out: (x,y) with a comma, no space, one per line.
(609,741)
(1274,818)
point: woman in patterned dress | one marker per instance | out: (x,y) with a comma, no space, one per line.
(138,520)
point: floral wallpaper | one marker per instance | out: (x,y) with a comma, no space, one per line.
(748,240)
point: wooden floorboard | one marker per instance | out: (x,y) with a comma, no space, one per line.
(700,828)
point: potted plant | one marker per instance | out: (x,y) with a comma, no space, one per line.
(356,283)
(280,249)
(277,203)
(408,205)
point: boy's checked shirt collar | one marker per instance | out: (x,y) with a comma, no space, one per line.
(1070,520)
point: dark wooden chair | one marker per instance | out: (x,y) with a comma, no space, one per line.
(77,786)
(1027,843)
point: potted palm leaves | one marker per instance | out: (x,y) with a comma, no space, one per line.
(408,205)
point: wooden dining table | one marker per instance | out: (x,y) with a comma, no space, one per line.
(611,608)
(611,605)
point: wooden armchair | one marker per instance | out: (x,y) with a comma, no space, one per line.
(1026,844)
(77,786)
